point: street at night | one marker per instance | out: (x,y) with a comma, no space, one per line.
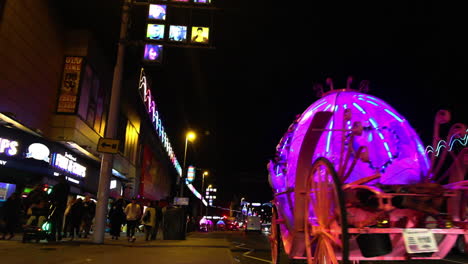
(227,131)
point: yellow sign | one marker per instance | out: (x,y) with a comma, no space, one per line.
(108,145)
(69,88)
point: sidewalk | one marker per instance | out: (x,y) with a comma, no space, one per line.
(193,250)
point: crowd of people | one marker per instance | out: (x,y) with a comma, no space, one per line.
(70,216)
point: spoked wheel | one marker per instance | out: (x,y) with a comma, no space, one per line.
(278,255)
(326,230)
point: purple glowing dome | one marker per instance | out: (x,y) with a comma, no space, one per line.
(393,147)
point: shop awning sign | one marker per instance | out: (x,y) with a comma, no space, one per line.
(108,145)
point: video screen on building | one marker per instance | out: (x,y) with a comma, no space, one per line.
(157,12)
(200,34)
(177,33)
(155,31)
(153,53)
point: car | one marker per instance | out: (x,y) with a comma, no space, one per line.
(254,224)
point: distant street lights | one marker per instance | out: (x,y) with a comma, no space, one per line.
(190,136)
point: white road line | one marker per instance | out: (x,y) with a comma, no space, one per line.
(250,250)
(454,261)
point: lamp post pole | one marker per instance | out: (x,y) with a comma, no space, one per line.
(181,192)
(188,137)
(202,192)
(111,127)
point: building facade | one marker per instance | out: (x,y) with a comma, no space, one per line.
(55,82)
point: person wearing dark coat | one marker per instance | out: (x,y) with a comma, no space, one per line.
(76,216)
(116,217)
(59,197)
(89,209)
(12,212)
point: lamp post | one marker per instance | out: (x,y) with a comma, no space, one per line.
(205,173)
(190,136)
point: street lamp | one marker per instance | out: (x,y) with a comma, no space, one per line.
(190,136)
(205,173)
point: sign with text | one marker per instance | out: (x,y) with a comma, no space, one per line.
(419,240)
(108,145)
(181,200)
(68,93)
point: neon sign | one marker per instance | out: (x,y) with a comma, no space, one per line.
(38,151)
(150,106)
(9,147)
(68,163)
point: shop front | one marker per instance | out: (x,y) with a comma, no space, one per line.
(27,159)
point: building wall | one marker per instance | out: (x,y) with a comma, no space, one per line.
(31,58)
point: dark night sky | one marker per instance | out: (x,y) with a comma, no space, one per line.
(241,96)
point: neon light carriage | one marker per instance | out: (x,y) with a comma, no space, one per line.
(352,181)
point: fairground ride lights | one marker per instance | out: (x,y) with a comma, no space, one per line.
(150,106)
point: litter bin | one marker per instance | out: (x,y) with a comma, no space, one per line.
(174,224)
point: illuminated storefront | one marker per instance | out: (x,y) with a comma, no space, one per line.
(27,160)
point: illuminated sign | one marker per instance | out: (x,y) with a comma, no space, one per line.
(9,147)
(38,151)
(113,184)
(69,87)
(150,105)
(3,162)
(191,173)
(68,163)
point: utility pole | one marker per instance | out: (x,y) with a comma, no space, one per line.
(107,159)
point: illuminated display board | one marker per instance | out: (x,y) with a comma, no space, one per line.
(155,31)
(177,33)
(153,53)
(200,34)
(150,105)
(157,12)
(69,88)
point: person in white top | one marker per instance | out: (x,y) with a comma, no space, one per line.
(133,213)
(149,219)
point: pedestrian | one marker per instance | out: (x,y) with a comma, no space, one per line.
(116,217)
(67,226)
(89,209)
(149,220)
(159,219)
(133,213)
(11,217)
(76,216)
(58,198)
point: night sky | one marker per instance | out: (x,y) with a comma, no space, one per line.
(241,96)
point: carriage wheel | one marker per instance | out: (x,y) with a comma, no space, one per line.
(278,255)
(326,230)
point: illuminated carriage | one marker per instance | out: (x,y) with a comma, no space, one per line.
(352,181)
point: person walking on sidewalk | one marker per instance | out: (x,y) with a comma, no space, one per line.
(116,217)
(89,209)
(59,197)
(12,211)
(133,213)
(149,220)
(76,216)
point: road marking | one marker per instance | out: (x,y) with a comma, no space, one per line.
(454,261)
(250,250)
